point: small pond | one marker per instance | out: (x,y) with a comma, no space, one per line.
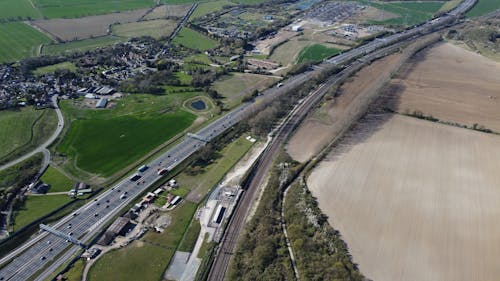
(199,105)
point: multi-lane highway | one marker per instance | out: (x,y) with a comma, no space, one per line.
(43,254)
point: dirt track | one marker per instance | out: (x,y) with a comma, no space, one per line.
(415,200)
(452,84)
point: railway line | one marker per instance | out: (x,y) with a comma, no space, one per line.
(368,52)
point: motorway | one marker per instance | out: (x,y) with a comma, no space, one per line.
(44,253)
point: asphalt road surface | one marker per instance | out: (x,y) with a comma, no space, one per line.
(44,253)
(42,148)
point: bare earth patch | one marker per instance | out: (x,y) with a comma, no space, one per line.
(415,200)
(333,115)
(86,27)
(451,84)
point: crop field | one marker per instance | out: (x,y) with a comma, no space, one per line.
(236,86)
(206,8)
(15,9)
(483,7)
(154,28)
(414,200)
(58,181)
(105,141)
(81,45)
(410,12)
(468,94)
(37,206)
(316,53)
(82,28)
(83,8)
(147,258)
(26,129)
(194,40)
(166,11)
(19,40)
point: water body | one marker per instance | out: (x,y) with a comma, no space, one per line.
(199,105)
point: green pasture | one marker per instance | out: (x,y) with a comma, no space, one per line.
(19,40)
(483,7)
(58,181)
(194,40)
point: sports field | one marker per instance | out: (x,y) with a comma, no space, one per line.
(414,200)
(19,40)
(194,40)
(105,141)
(316,53)
(24,130)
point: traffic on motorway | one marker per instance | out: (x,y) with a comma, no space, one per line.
(46,248)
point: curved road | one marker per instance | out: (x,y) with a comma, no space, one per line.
(43,147)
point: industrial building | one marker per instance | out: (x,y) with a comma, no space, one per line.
(118,227)
(101,103)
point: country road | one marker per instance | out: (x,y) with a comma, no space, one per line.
(43,147)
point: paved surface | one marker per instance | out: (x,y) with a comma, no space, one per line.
(236,224)
(42,148)
(46,251)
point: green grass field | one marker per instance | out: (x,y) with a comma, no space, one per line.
(16,9)
(202,183)
(410,12)
(154,28)
(234,87)
(106,141)
(81,8)
(148,258)
(27,128)
(52,68)
(210,7)
(190,237)
(57,180)
(316,53)
(38,206)
(19,40)
(194,40)
(483,7)
(81,45)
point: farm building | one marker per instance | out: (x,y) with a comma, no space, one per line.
(296,28)
(101,103)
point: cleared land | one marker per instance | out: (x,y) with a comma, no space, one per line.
(58,181)
(81,45)
(451,84)
(415,200)
(19,40)
(105,141)
(38,206)
(335,113)
(237,85)
(26,129)
(154,28)
(83,28)
(194,40)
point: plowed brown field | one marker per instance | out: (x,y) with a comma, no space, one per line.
(415,200)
